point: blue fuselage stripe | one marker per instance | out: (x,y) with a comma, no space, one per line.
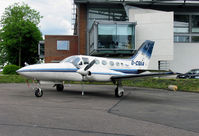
(127,71)
(123,71)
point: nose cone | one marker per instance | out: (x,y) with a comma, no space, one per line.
(21,71)
(18,71)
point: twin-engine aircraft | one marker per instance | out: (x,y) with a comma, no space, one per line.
(90,68)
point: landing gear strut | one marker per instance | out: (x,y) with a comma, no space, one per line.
(60,87)
(119,90)
(38,92)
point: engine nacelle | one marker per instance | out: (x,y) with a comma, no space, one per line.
(83,72)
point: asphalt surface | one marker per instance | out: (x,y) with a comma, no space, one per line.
(141,112)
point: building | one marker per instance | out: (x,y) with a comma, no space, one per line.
(118,27)
(173,25)
(58,47)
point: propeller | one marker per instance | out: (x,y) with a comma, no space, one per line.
(84,72)
(90,65)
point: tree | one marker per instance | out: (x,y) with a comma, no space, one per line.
(19,34)
(2,55)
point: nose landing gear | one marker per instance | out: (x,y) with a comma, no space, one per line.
(38,92)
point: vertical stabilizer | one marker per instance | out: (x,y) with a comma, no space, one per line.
(142,57)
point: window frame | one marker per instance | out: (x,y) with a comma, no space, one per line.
(61,44)
(85,62)
(191,34)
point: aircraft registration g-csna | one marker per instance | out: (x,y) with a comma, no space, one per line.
(90,68)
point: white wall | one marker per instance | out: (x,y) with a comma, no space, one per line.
(186,57)
(157,26)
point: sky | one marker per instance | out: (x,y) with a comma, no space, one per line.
(56,14)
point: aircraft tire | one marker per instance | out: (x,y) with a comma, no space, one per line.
(118,93)
(38,92)
(60,87)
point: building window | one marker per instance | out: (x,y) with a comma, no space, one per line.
(116,13)
(116,36)
(186,28)
(195,38)
(181,24)
(195,24)
(107,36)
(107,12)
(125,36)
(91,39)
(41,49)
(63,45)
(181,39)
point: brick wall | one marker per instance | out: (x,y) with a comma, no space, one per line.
(51,52)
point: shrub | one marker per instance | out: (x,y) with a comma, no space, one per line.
(10,69)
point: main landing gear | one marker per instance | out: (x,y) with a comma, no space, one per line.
(119,90)
(59,87)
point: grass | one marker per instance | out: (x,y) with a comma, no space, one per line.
(12,79)
(191,85)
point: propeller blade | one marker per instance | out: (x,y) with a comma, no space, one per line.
(89,65)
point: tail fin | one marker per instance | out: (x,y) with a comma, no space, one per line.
(141,58)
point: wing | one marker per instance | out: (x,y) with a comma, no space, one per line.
(142,75)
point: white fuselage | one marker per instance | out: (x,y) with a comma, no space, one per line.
(90,68)
(102,70)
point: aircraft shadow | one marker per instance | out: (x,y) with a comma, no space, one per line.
(73,92)
(128,96)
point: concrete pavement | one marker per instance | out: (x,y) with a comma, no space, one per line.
(141,112)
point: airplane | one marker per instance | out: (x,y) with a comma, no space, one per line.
(91,68)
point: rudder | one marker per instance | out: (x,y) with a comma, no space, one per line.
(142,57)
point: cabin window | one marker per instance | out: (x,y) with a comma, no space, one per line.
(104,62)
(85,60)
(97,61)
(76,61)
(80,63)
(111,63)
(117,64)
(68,59)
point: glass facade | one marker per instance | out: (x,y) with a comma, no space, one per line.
(106,12)
(109,30)
(186,28)
(115,36)
(112,37)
